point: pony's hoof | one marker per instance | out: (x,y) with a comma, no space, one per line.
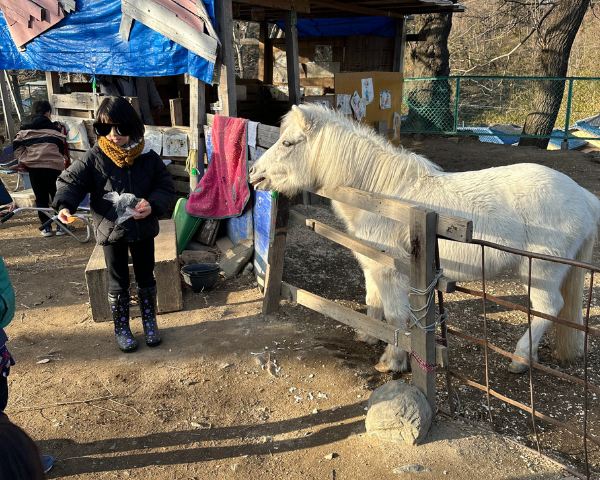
(366,338)
(395,366)
(380,367)
(517,367)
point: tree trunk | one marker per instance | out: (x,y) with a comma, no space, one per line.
(429,106)
(557,39)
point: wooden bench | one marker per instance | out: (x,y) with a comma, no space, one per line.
(166,272)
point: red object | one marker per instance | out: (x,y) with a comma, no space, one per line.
(187,12)
(26,19)
(223,191)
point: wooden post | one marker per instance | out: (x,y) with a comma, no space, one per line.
(399,45)
(280,212)
(176,112)
(423,223)
(16,97)
(224,27)
(17,90)
(292,57)
(268,58)
(53,86)
(262,34)
(197,122)
(293,69)
(7,108)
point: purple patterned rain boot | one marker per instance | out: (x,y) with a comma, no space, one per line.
(119,307)
(147,301)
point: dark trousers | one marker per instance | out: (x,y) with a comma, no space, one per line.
(3,394)
(43,182)
(117,263)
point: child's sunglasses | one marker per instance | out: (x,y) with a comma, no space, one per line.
(122,129)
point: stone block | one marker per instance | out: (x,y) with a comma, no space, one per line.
(224,244)
(398,413)
(235,258)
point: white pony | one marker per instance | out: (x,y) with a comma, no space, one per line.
(524,206)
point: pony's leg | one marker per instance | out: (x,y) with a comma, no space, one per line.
(538,327)
(374,308)
(566,304)
(545,297)
(570,342)
(393,290)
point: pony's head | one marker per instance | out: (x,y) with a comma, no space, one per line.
(320,148)
(285,166)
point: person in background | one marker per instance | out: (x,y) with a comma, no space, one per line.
(19,457)
(120,163)
(5,197)
(141,87)
(39,146)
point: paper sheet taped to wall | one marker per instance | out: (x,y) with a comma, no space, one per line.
(154,140)
(175,144)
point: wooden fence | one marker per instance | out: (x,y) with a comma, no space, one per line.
(425,226)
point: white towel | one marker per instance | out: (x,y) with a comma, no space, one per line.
(252,131)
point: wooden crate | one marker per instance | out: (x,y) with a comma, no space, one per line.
(166,272)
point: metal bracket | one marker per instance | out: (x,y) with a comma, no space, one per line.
(381,127)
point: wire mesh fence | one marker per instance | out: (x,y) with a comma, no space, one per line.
(473,105)
(558,404)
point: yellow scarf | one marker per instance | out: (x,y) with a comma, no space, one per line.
(122,157)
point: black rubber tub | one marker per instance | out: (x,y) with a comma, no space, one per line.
(201,276)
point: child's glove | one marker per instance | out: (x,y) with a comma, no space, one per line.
(6,361)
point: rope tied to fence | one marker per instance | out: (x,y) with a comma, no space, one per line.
(430,292)
(424,366)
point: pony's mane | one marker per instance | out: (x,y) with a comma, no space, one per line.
(345,152)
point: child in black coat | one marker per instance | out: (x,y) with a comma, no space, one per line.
(119,163)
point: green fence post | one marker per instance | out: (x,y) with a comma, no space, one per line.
(456,98)
(565,143)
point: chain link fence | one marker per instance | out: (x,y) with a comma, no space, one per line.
(475,105)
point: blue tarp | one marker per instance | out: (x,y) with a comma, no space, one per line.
(588,128)
(497,136)
(88,41)
(572,142)
(325,27)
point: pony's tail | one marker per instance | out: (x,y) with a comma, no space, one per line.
(569,341)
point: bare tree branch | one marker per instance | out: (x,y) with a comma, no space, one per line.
(502,56)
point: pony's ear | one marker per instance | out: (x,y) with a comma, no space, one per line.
(302,119)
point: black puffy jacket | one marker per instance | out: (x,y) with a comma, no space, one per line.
(95,173)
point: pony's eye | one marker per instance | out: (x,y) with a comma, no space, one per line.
(286,144)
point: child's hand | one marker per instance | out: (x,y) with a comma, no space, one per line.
(65,216)
(142,210)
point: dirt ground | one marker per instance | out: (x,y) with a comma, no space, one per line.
(202,405)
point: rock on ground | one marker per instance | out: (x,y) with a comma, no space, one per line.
(235,258)
(398,413)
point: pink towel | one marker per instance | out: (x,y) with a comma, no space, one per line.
(223,191)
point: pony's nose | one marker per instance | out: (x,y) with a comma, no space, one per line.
(251,171)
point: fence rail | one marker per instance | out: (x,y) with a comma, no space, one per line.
(499,106)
